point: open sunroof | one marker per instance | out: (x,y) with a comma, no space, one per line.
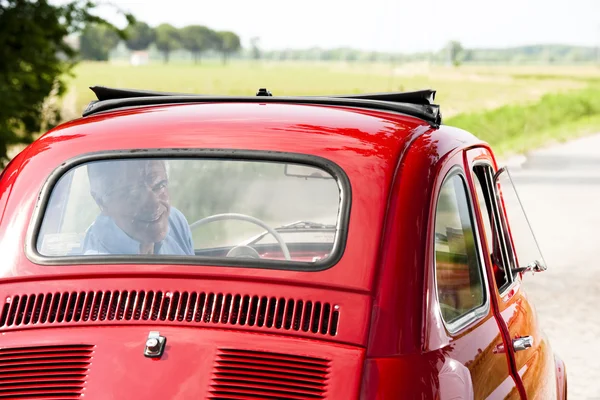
(418,103)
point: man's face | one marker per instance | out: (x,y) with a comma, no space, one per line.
(140,204)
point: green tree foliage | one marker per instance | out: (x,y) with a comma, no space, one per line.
(96,41)
(167,39)
(538,54)
(455,52)
(227,44)
(139,36)
(197,39)
(35,59)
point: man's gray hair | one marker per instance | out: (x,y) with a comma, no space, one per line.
(105,175)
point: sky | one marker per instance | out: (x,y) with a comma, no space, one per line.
(383,25)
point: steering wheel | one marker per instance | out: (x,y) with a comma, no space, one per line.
(240,250)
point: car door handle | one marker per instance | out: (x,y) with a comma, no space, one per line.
(522,343)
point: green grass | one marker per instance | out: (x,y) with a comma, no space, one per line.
(513,108)
(458,90)
(518,128)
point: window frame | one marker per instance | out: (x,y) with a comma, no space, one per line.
(500,217)
(338,174)
(478,313)
(499,220)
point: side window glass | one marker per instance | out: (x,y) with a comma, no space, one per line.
(518,232)
(458,273)
(494,241)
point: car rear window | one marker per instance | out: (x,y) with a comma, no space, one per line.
(228,210)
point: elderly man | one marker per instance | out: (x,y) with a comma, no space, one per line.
(136,214)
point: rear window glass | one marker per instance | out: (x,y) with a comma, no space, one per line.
(216,208)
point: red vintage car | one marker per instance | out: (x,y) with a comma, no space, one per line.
(169,246)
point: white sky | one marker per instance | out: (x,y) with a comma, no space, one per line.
(389,25)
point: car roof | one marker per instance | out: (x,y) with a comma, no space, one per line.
(314,129)
(134,119)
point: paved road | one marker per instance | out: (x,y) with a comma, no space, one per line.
(560,191)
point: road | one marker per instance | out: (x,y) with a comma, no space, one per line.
(560,190)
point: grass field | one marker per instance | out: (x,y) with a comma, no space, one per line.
(482,99)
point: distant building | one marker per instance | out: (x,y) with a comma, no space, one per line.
(139,58)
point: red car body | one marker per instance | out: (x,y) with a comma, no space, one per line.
(382,337)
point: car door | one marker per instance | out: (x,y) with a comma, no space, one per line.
(510,247)
(467,316)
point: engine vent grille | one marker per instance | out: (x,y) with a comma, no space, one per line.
(46,372)
(250,375)
(180,307)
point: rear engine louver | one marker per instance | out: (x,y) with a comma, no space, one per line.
(46,372)
(183,307)
(251,375)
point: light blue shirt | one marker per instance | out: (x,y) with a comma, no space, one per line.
(105,237)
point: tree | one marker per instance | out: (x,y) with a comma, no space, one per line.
(96,41)
(35,61)
(455,52)
(254,42)
(197,39)
(227,44)
(167,39)
(139,36)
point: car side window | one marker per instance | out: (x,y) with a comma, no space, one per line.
(521,244)
(487,205)
(457,267)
